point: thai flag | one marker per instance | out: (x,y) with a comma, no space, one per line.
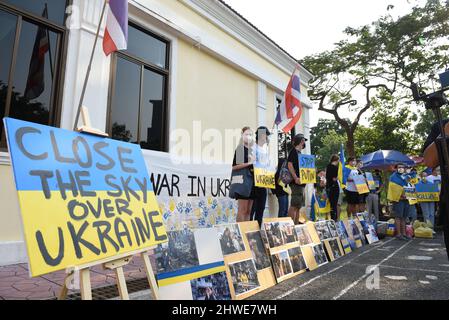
(116,33)
(290,110)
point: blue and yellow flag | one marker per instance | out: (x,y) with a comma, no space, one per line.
(396,187)
(321,207)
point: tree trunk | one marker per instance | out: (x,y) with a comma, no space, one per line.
(350,148)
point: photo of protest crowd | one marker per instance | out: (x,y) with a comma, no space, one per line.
(244,276)
(178,253)
(213,287)
(231,240)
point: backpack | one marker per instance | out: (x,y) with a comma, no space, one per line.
(284,174)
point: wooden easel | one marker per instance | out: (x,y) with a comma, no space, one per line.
(114,263)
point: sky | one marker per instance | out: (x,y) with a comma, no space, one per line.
(307,27)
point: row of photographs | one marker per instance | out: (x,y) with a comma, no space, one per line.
(281,233)
(244,273)
(180,253)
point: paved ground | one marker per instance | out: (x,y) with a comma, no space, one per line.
(15,283)
(417,269)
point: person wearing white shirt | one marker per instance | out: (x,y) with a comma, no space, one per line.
(262,157)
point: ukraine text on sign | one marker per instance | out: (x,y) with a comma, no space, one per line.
(83,198)
(264,176)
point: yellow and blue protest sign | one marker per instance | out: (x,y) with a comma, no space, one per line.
(427,192)
(83,198)
(370,179)
(264,176)
(360,184)
(307,170)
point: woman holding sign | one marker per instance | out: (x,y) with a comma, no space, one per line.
(297,199)
(263,159)
(352,195)
(243,160)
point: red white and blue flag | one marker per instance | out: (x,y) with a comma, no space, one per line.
(290,110)
(116,33)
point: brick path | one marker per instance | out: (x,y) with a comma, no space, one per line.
(16,284)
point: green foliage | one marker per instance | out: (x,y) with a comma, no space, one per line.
(389,129)
(321,130)
(426,120)
(378,62)
(330,144)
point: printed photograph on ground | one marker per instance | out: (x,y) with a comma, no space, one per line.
(260,255)
(231,240)
(213,287)
(178,253)
(244,276)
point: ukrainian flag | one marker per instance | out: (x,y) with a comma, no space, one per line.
(396,187)
(321,207)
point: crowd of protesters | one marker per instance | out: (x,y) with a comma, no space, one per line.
(335,183)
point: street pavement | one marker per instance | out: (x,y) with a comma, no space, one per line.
(416,269)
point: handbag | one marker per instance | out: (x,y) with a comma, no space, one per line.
(242,182)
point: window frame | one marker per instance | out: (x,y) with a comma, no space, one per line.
(60,62)
(143,64)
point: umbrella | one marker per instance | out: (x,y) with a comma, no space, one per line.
(383,159)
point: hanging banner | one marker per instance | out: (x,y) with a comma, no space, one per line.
(264,176)
(371,183)
(360,184)
(193,195)
(307,170)
(83,198)
(427,192)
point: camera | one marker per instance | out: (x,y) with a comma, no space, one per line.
(436,99)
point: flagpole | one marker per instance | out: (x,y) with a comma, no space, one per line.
(86,79)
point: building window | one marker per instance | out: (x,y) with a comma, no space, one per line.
(138,108)
(284,139)
(32,36)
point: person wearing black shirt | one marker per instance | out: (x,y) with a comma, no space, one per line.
(332,186)
(297,199)
(280,193)
(444,196)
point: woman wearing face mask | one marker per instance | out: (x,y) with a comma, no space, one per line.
(243,159)
(262,157)
(397,196)
(332,186)
(411,177)
(352,195)
(297,197)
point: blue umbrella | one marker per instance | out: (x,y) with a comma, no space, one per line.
(383,159)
